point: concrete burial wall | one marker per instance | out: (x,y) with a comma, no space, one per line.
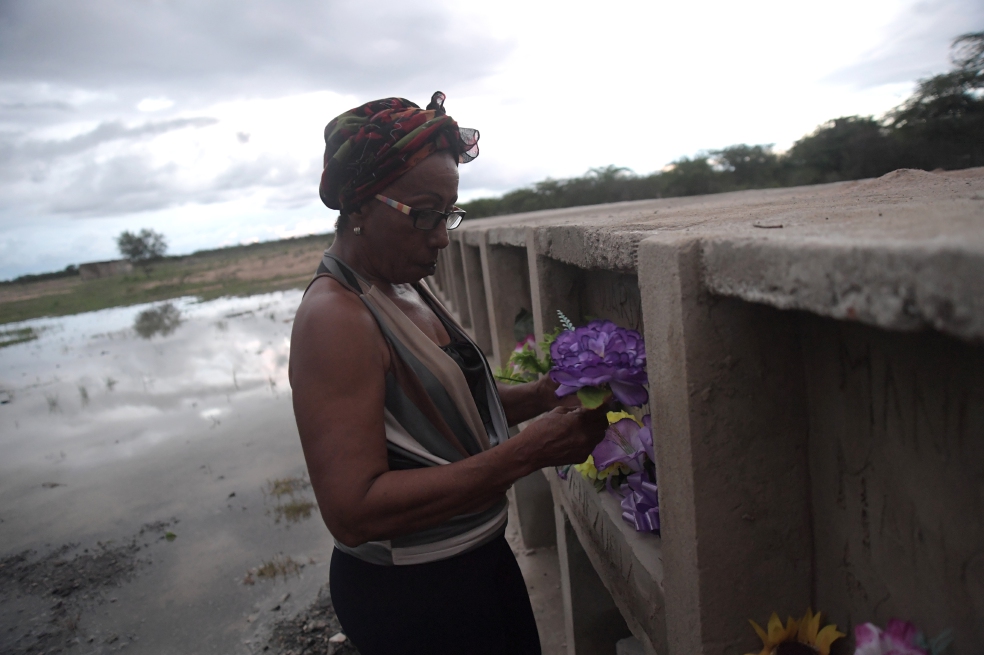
(817,390)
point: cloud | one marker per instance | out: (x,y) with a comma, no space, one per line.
(27,151)
(207,50)
(133,183)
(915,44)
(79,79)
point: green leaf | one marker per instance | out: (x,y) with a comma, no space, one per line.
(566,322)
(529,363)
(170,536)
(548,339)
(509,379)
(593,397)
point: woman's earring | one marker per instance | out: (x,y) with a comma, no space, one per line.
(358,231)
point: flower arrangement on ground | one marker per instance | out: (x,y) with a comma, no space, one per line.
(803,637)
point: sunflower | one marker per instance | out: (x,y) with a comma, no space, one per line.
(803,637)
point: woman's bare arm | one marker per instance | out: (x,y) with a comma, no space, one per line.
(338,366)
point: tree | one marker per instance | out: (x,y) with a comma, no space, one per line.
(942,124)
(968,51)
(145,246)
(749,167)
(846,148)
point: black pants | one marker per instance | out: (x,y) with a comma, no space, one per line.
(472,604)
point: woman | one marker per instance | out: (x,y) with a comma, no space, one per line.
(403,427)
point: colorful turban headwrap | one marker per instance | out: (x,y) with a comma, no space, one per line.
(369,147)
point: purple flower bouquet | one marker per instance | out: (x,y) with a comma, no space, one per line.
(598,360)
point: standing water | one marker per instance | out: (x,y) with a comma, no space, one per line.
(153,494)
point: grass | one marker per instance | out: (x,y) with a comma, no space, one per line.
(19,335)
(294,511)
(209,274)
(280,487)
(280,566)
(290,507)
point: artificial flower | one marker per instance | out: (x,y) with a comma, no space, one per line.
(627,442)
(898,638)
(601,355)
(792,638)
(640,504)
(589,471)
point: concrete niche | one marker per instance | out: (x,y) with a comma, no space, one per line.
(474,282)
(507,292)
(897,471)
(583,294)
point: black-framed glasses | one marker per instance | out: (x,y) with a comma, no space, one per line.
(425,219)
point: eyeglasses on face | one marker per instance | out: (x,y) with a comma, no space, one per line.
(426,219)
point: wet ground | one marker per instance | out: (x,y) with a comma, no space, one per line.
(152,487)
(153,494)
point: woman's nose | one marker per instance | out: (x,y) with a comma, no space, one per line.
(439,235)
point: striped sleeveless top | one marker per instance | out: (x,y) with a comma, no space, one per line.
(441,406)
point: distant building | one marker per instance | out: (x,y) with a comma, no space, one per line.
(95,270)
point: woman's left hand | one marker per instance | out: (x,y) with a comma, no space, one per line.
(548,388)
(525,401)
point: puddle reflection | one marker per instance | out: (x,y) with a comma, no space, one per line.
(139,376)
(163,320)
(144,416)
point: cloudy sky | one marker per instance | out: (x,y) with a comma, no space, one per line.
(203,119)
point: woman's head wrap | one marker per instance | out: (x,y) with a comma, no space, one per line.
(369,147)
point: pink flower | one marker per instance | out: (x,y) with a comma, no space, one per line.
(530,341)
(898,638)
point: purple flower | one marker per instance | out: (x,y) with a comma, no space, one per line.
(601,353)
(626,442)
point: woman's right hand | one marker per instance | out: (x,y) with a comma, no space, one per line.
(565,435)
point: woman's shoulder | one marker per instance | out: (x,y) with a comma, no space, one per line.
(331,315)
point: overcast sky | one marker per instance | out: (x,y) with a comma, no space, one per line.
(203,119)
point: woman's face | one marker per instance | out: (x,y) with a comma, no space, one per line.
(397,251)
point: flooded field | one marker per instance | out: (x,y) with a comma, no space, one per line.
(153,496)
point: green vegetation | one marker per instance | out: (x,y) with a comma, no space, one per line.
(69,271)
(163,320)
(280,487)
(280,566)
(19,335)
(208,274)
(289,507)
(294,511)
(142,248)
(940,126)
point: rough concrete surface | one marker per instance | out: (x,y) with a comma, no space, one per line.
(630,564)
(780,246)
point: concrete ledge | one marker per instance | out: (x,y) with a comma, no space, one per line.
(900,287)
(629,564)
